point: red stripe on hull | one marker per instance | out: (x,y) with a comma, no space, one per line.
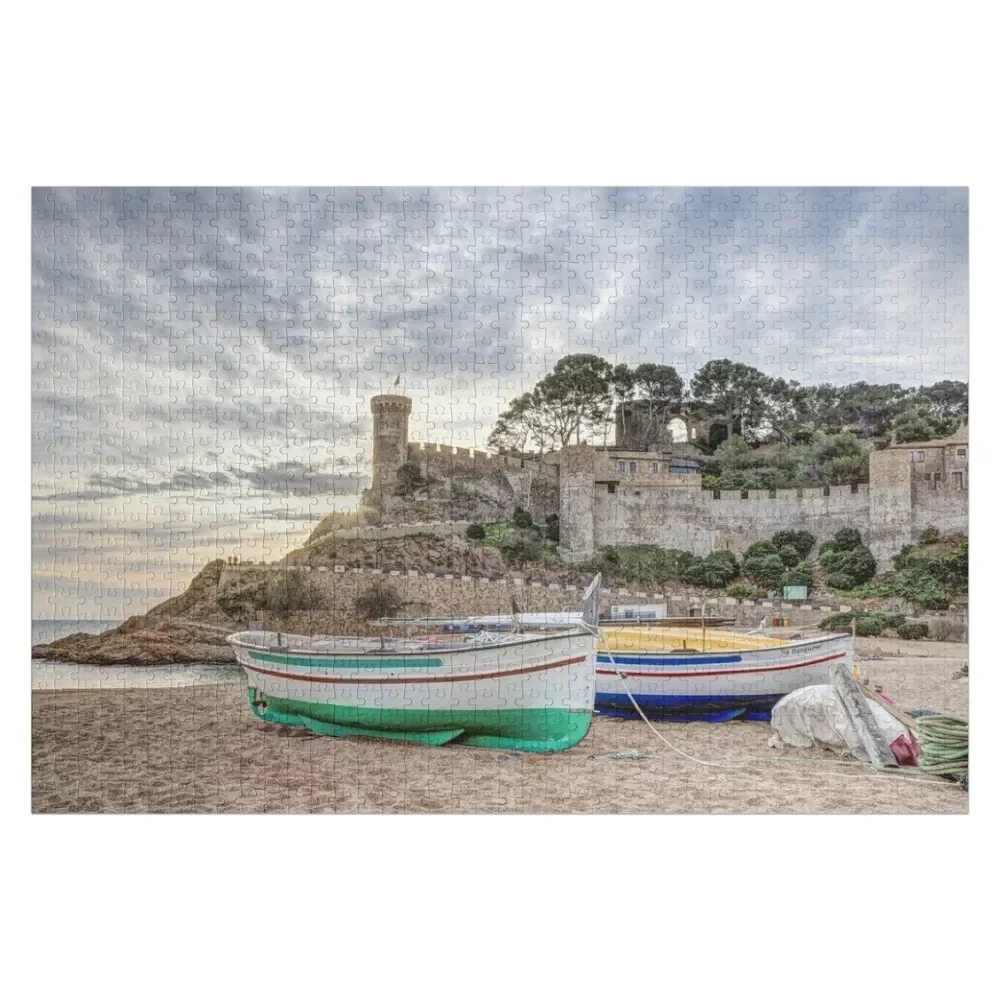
(720,673)
(415,680)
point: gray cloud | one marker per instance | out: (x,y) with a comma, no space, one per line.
(203,346)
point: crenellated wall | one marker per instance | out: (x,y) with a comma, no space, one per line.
(700,521)
(612,497)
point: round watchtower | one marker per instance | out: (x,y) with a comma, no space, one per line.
(391,436)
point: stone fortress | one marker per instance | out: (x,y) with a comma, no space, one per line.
(616,496)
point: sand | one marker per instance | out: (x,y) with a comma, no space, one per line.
(199,749)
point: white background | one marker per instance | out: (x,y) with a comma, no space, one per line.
(534,93)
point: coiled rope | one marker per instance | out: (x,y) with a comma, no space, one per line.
(944,745)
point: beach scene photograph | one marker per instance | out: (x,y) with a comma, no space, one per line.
(500,499)
(502,507)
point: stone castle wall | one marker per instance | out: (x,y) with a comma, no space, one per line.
(601,502)
(699,521)
(600,506)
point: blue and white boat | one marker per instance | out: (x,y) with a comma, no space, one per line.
(708,677)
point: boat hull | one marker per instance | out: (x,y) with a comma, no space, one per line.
(536,695)
(717,685)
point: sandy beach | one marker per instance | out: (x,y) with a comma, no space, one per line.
(198,749)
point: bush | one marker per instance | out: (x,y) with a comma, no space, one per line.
(521,547)
(746,592)
(475,532)
(929,536)
(795,578)
(847,538)
(764,570)
(868,625)
(715,570)
(760,549)
(291,591)
(801,541)
(521,518)
(552,528)
(856,565)
(912,630)
(840,622)
(640,562)
(789,555)
(409,479)
(380,600)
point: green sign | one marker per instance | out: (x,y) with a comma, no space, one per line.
(796,593)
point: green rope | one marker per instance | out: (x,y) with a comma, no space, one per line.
(944,744)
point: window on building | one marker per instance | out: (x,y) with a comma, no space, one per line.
(927,477)
(961,452)
(655,466)
(633,466)
(622,466)
(611,487)
(917,456)
(956,479)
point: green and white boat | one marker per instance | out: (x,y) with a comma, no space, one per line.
(524,691)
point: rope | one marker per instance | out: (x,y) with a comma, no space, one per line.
(598,633)
(944,745)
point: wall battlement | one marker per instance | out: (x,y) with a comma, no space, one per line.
(608,497)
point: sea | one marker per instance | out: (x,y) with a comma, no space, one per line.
(53,675)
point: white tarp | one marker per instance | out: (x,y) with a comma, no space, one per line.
(815,716)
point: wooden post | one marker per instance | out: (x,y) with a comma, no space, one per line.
(861,715)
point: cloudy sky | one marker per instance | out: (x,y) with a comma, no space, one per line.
(203,358)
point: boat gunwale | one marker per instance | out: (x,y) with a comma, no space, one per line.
(603,649)
(422,653)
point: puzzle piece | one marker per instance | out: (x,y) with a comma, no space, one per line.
(289,413)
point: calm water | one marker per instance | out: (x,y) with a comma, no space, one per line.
(49,675)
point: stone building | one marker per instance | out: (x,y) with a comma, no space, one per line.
(616,496)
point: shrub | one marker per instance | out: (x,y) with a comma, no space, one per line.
(723,557)
(856,565)
(764,570)
(839,622)
(801,541)
(759,549)
(521,547)
(715,570)
(552,527)
(409,479)
(521,518)
(380,600)
(475,532)
(789,555)
(847,538)
(929,536)
(794,578)
(746,592)
(868,625)
(912,630)
(291,591)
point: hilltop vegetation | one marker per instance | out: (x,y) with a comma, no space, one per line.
(758,432)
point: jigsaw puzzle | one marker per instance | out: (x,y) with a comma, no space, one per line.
(500,500)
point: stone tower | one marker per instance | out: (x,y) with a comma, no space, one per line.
(391,436)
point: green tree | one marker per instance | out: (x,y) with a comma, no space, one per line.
(475,532)
(766,570)
(737,392)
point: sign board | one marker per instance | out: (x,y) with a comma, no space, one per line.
(638,612)
(796,593)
